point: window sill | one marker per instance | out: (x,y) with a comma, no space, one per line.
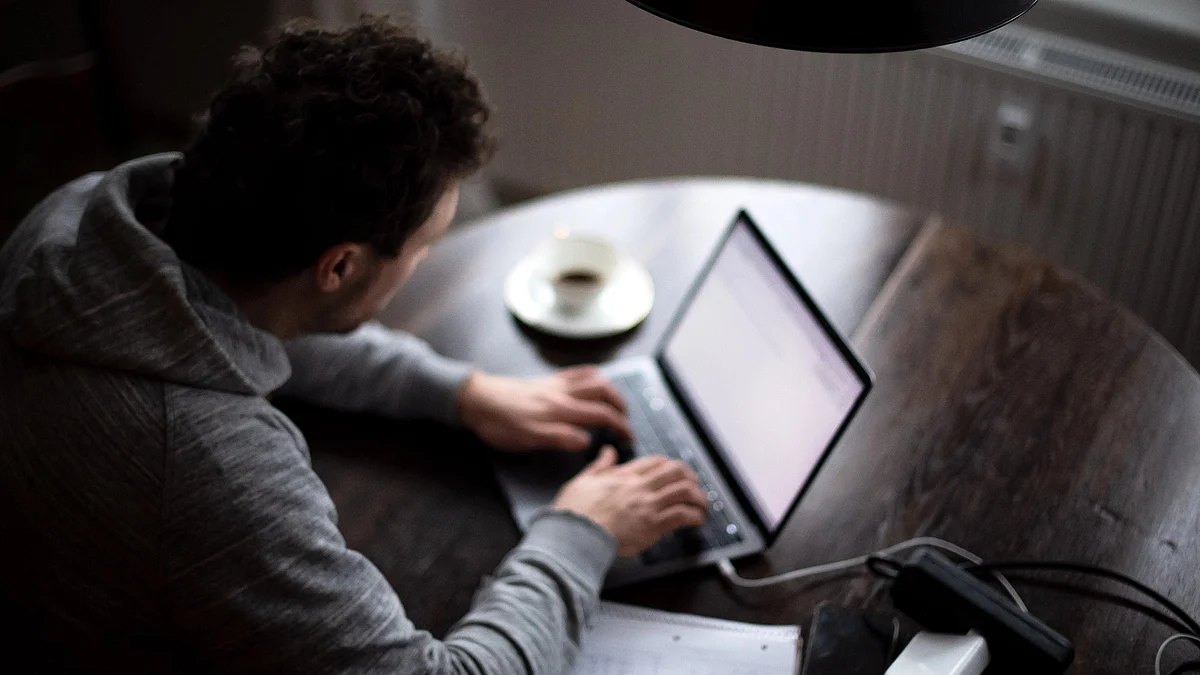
(1163,30)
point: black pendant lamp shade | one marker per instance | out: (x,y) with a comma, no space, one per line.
(841,25)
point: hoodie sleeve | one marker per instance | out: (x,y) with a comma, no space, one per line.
(375,370)
(259,580)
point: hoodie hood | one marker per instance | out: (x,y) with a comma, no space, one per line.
(86,279)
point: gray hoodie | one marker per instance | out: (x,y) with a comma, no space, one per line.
(158,514)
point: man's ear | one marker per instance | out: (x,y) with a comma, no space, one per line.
(340,264)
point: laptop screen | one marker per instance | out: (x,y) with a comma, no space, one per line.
(768,381)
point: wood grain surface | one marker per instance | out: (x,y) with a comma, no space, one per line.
(1017,412)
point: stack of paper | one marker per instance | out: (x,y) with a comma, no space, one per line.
(625,640)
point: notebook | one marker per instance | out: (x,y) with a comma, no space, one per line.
(626,640)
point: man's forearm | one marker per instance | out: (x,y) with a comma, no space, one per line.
(375,370)
(540,599)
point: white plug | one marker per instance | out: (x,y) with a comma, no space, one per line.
(941,654)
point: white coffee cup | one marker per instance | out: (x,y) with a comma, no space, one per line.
(578,268)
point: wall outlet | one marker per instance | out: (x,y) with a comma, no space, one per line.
(1012,137)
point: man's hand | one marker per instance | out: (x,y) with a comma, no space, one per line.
(637,502)
(547,412)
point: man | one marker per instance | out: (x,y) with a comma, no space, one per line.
(158,514)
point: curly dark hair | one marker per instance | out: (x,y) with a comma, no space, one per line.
(324,137)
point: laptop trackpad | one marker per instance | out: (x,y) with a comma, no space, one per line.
(532,480)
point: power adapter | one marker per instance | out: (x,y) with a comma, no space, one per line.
(944,598)
(941,654)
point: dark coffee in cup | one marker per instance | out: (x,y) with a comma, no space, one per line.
(578,269)
(578,277)
(576,287)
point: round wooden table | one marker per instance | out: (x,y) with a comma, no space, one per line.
(1017,412)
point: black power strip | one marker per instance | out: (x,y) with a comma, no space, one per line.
(944,598)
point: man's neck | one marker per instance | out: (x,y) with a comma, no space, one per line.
(268,307)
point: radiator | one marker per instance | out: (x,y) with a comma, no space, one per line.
(1089,156)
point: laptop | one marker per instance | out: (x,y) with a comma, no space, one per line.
(751,385)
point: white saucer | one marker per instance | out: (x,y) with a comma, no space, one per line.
(623,303)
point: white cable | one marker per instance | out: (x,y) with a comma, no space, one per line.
(730,572)
(1163,648)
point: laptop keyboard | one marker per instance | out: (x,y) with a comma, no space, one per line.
(657,434)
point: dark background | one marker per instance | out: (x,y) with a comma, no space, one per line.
(85,84)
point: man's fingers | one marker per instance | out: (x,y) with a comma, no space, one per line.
(598,388)
(681,492)
(575,373)
(670,471)
(644,465)
(680,515)
(591,414)
(607,458)
(562,436)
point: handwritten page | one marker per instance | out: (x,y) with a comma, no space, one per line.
(625,640)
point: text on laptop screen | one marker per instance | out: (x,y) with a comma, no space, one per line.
(763,376)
